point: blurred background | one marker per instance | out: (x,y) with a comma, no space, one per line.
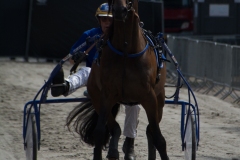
(48,28)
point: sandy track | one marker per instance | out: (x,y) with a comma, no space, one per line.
(19,82)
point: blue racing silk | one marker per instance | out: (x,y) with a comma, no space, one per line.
(89,33)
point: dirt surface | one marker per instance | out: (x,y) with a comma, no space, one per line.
(19,83)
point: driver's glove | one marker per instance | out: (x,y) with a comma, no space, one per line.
(79,56)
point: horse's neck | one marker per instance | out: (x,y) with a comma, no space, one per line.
(130,32)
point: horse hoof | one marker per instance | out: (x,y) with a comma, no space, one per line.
(130,157)
(113,154)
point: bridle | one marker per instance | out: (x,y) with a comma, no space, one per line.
(129,8)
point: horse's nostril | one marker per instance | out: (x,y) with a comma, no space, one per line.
(125,11)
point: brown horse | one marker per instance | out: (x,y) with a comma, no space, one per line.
(127,73)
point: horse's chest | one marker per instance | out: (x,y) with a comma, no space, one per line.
(130,80)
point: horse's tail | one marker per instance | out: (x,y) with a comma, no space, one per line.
(85,122)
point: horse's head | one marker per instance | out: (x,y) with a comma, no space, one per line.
(120,8)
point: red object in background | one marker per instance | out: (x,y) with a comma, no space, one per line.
(178,16)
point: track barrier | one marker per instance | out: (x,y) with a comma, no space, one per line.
(211,67)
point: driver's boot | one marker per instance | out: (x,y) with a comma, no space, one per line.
(59,85)
(128,149)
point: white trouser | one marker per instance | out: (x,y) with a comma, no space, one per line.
(131,121)
(80,78)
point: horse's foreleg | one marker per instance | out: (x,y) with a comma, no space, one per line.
(99,133)
(100,130)
(158,140)
(161,100)
(115,132)
(106,118)
(152,111)
(151,147)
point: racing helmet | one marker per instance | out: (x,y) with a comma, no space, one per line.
(103,11)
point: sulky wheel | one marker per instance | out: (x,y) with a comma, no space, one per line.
(31,139)
(190,146)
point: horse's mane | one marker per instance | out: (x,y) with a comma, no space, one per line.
(110,30)
(110,5)
(109,33)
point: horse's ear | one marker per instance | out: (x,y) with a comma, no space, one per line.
(109,3)
(110,6)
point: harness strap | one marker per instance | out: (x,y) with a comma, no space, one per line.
(129,55)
